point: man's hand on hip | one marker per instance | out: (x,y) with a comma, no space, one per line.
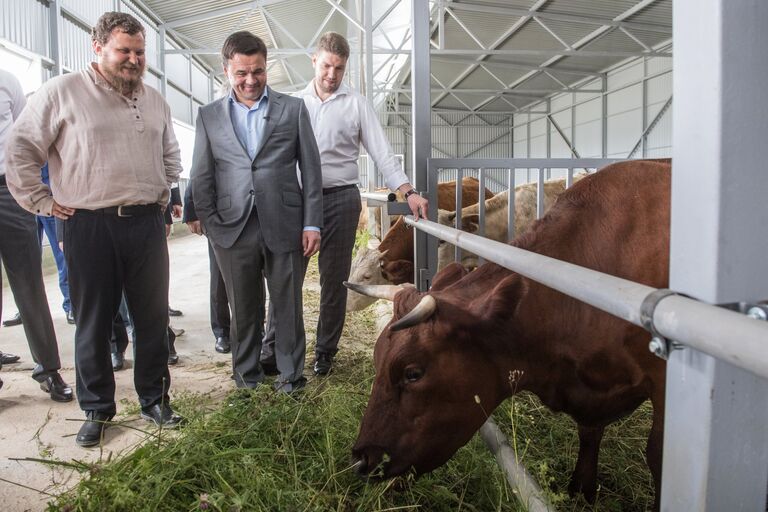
(310,241)
(62,212)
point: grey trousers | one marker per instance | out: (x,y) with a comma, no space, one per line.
(20,254)
(243,266)
(341,211)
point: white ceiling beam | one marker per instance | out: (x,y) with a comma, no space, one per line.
(510,31)
(465,29)
(350,18)
(570,18)
(223,11)
(271,19)
(386,13)
(552,33)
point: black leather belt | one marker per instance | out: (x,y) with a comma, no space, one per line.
(333,190)
(133,210)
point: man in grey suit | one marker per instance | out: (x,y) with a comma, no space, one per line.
(258,216)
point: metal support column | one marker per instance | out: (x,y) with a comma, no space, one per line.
(161,61)
(604,120)
(54,15)
(368,73)
(715,438)
(425,248)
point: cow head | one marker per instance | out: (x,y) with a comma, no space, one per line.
(437,379)
(397,271)
(446,252)
(365,269)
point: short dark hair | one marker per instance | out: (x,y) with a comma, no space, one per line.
(109,21)
(334,43)
(244,43)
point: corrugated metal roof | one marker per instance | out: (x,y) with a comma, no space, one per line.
(491,22)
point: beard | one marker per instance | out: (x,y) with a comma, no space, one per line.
(120,83)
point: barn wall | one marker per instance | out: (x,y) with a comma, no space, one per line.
(636,91)
(24,26)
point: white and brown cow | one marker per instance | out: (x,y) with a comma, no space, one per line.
(392,262)
(444,362)
(496,209)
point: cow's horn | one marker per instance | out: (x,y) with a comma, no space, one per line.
(421,312)
(379,291)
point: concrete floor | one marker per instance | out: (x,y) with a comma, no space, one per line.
(189,293)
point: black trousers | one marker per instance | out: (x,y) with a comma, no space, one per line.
(341,211)
(20,254)
(220,317)
(105,255)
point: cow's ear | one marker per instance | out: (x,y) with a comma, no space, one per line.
(505,298)
(470,223)
(449,275)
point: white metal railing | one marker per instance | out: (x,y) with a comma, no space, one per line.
(685,320)
(503,171)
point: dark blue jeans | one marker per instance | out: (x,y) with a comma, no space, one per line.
(48,225)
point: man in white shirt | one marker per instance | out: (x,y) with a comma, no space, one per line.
(342,119)
(21,256)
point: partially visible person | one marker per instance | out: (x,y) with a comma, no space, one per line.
(112,158)
(260,219)
(219,307)
(21,256)
(342,120)
(173,211)
(47,225)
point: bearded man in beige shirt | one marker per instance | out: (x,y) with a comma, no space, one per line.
(112,157)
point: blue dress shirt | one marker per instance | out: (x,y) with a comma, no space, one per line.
(249,122)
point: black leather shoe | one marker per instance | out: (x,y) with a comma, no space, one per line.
(52,383)
(174,312)
(6,358)
(118,361)
(323,363)
(92,431)
(173,358)
(269,368)
(14,320)
(161,415)
(222,345)
(70,317)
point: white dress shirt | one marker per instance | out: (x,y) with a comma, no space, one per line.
(341,123)
(12,102)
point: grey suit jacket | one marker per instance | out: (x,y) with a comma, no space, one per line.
(227,184)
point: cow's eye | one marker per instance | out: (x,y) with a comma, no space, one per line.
(367,276)
(413,373)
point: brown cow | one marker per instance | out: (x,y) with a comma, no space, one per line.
(450,355)
(496,217)
(397,246)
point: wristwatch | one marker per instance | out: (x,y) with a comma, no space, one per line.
(410,193)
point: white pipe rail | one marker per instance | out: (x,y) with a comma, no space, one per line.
(721,333)
(528,491)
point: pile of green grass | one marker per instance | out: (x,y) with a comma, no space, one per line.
(261,451)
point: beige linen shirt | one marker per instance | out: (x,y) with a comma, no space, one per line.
(103,148)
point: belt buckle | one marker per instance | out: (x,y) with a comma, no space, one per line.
(120,212)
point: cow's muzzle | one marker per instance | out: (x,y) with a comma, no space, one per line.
(370,463)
